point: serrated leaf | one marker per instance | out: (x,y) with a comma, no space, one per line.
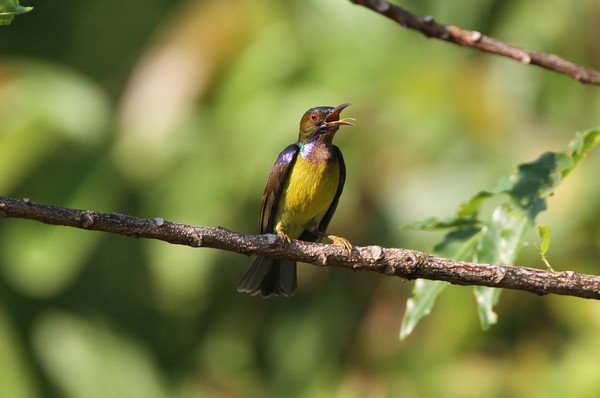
(432,223)
(500,243)
(487,298)
(10,8)
(466,215)
(535,181)
(419,305)
(504,235)
(499,239)
(579,147)
(471,207)
(458,244)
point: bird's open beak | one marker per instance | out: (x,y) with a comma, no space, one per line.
(333,119)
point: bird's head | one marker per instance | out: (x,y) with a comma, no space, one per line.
(322,120)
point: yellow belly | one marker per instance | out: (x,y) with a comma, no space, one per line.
(308,193)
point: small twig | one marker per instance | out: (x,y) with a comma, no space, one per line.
(474,39)
(407,264)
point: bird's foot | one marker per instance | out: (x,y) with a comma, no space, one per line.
(286,238)
(343,242)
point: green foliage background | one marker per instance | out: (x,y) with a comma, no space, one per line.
(178,109)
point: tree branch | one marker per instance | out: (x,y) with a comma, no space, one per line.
(474,39)
(408,264)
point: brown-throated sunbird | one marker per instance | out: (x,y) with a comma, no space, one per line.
(300,198)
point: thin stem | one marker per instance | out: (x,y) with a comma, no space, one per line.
(474,39)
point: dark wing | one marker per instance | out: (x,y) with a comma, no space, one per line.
(325,221)
(275,184)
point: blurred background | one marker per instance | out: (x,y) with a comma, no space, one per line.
(178,109)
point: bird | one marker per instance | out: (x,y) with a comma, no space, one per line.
(300,197)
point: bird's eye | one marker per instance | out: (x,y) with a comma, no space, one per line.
(314,116)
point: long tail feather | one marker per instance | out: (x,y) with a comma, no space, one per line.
(269,276)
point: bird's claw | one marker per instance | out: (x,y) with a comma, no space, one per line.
(286,238)
(343,242)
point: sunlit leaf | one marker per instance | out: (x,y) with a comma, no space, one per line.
(545,235)
(465,216)
(419,305)
(434,223)
(499,239)
(511,221)
(486,298)
(578,148)
(10,8)
(460,245)
(504,234)
(472,207)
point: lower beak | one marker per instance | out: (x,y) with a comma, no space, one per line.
(347,121)
(333,119)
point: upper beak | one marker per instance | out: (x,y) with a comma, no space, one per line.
(333,119)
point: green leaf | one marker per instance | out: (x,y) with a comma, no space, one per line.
(499,239)
(10,8)
(486,298)
(472,207)
(579,147)
(433,223)
(545,235)
(419,305)
(465,216)
(458,244)
(500,242)
(504,234)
